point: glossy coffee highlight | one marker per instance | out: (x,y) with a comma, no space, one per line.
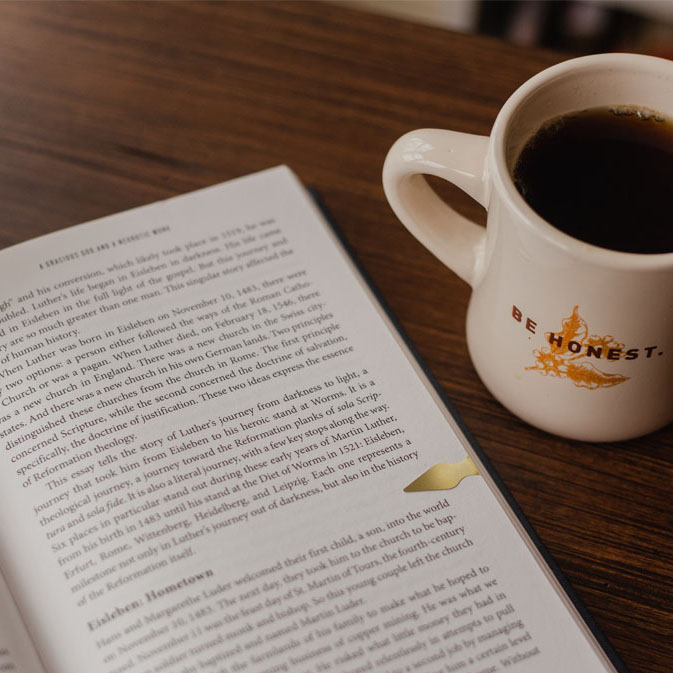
(604,176)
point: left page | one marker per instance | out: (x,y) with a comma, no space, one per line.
(207,425)
(17,653)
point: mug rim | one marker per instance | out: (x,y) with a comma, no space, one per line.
(505,184)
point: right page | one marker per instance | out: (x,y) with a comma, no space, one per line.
(208,425)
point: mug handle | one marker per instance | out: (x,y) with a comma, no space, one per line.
(459,158)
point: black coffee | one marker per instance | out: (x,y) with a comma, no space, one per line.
(604,176)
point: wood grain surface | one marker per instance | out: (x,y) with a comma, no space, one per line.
(106,106)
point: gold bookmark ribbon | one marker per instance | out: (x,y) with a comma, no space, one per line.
(443,476)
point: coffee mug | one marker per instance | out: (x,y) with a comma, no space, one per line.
(574,339)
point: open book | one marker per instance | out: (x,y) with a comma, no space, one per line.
(207,423)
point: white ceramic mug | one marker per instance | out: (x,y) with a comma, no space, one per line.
(573,338)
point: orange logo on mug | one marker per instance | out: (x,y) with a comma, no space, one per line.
(568,351)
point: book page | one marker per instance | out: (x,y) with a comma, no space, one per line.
(206,427)
(17,653)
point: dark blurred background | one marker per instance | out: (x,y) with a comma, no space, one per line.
(574,26)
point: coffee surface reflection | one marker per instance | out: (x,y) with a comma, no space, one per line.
(604,176)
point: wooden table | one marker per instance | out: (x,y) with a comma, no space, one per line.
(106,106)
